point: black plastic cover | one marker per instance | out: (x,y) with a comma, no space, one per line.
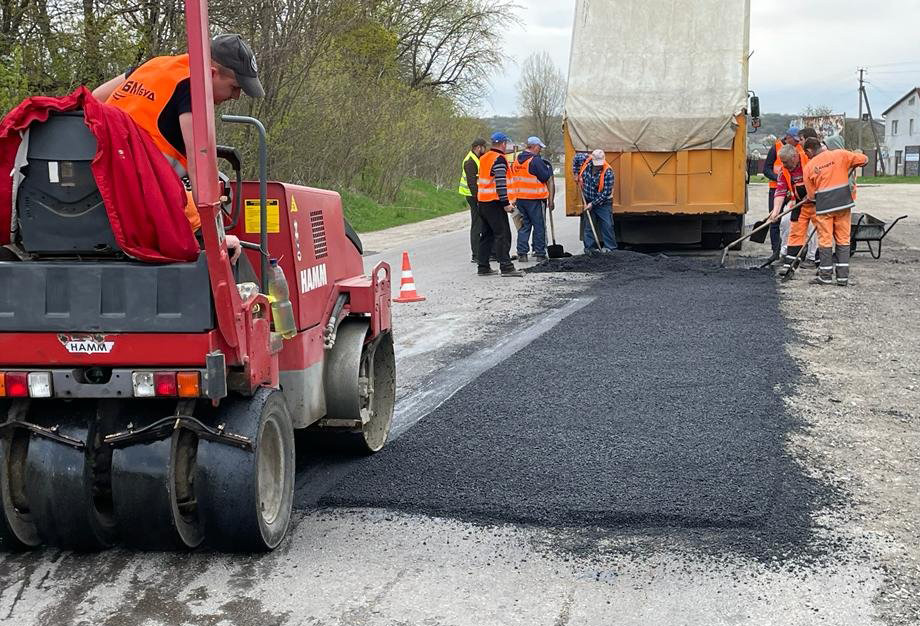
(105,296)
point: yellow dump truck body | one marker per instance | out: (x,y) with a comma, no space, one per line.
(686,197)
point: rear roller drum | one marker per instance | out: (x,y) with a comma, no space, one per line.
(153,488)
(245,496)
(69,489)
(17,529)
(361,385)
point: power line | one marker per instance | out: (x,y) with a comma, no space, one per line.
(894,64)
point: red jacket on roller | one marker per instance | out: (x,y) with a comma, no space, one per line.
(143,197)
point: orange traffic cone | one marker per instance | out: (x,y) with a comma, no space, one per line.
(407,292)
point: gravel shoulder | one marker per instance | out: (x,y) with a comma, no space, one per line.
(859,348)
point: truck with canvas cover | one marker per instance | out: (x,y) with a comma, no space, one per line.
(661,87)
(154,404)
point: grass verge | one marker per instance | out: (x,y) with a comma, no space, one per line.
(417,200)
(889,180)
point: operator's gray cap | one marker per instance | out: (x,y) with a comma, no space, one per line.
(234,54)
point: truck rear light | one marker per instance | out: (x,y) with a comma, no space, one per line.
(40,384)
(189,385)
(2,384)
(143,384)
(17,385)
(165,383)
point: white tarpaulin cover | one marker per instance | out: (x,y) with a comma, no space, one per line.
(663,75)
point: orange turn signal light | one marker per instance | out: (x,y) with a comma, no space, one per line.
(2,384)
(189,384)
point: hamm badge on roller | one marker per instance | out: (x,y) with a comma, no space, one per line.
(86,344)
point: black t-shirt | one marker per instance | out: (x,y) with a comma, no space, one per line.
(179,103)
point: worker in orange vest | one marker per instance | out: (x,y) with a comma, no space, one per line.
(594,178)
(495,203)
(790,190)
(772,167)
(532,180)
(158,97)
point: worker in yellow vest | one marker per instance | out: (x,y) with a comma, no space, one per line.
(469,172)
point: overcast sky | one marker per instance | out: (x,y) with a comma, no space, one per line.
(882,35)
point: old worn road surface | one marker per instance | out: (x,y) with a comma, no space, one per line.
(648,442)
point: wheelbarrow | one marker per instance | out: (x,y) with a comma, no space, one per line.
(864,227)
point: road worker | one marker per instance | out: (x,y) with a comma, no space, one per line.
(532,179)
(772,167)
(157,95)
(790,190)
(594,178)
(827,178)
(469,172)
(495,203)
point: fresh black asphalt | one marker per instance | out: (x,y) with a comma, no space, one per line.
(657,406)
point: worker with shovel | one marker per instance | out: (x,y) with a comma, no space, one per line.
(532,180)
(791,188)
(828,179)
(594,178)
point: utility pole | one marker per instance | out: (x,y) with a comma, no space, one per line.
(859,97)
(865,98)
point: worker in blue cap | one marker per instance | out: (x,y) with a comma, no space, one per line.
(495,203)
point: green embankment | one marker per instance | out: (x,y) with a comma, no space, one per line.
(417,200)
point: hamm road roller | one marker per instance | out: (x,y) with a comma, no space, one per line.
(154,404)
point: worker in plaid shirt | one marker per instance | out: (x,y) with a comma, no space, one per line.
(594,178)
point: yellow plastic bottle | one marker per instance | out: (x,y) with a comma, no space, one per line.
(279,295)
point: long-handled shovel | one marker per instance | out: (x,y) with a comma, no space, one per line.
(555,250)
(797,261)
(766,224)
(587,212)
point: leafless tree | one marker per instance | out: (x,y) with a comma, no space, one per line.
(541,95)
(448,45)
(817,110)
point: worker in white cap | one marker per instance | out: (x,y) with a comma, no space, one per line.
(594,177)
(532,180)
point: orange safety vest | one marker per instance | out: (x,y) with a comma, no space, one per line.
(803,160)
(776,162)
(143,96)
(525,184)
(600,181)
(146,93)
(486,190)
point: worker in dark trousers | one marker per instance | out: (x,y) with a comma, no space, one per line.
(532,181)
(469,172)
(495,204)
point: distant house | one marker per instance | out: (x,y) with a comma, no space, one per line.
(902,134)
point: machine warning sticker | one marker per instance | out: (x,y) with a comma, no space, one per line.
(253,215)
(86,344)
(294,208)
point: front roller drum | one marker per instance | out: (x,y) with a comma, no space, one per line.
(153,488)
(360,385)
(68,488)
(245,496)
